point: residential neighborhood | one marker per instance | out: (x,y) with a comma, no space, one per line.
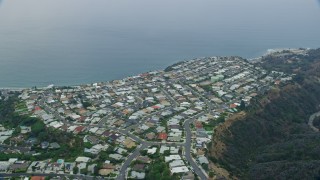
(135,127)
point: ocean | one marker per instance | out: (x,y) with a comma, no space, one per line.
(84,41)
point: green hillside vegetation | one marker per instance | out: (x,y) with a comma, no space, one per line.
(70,145)
(273,140)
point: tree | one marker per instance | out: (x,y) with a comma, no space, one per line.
(242,105)
(299,78)
(96,170)
(205,166)
(211,174)
(166,172)
(75,170)
(166,153)
(37,127)
(84,171)
(143,152)
(86,104)
(43,135)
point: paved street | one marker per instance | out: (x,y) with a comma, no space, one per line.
(172,101)
(188,145)
(126,164)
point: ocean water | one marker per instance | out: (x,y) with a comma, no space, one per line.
(70,42)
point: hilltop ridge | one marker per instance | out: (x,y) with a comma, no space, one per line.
(273,139)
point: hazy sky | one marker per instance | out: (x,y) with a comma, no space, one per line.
(110,39)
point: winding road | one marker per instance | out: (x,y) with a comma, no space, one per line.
(311,119)
(188,145)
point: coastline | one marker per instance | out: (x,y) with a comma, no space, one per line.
(266,53)
(12,89)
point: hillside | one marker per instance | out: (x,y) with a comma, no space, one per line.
(273,139)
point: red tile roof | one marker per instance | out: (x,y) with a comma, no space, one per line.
(37,177)
(79,129)
(37,108)
(198,124)
(162,136)
(82,118)
(155,107)
(233,105)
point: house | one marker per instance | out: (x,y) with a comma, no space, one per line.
(38,178)
(188,176)
(25,129)
(160,129)
(45,144)
(53,167)
(106,133)
(115,156)
(79,129)
(3,138)
(200,151)
(121,139)
(81,159)
(54,145)
(139,167)
(164,148)
(68,167)
(150,136)
(93,130)
(176,163)
(233,105)
(37,108)
(100,131)
(96,149)
(152,150)
(108,166)
(174,150)
(144,159)
(174,138)
(180,169)
(198,124)
(82,165)
(19,166)
(138,175)
(32,141)
(201,133)
(114,137)
(105,172)
(121,150)
(162,136)
(91,168)
(37,167)
(128,143)
(91,139)
(71,128)
(203,160)
(4,165)
(171,157)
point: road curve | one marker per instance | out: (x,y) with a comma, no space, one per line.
(188,145)
(126,164)
(311,119)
